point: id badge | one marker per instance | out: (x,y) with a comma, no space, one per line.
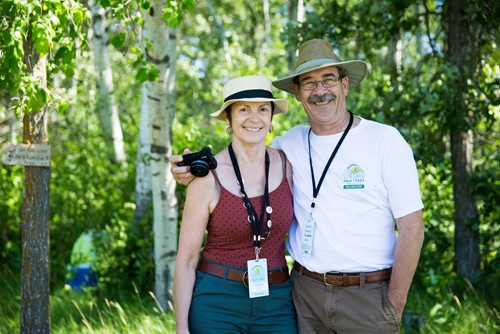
(307,237)
(258,285)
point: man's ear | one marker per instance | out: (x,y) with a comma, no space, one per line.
(345,84)
(296,92)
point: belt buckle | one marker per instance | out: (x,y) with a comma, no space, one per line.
(243,278)
(325,280)
(325,277)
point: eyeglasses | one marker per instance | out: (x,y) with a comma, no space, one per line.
(327,83)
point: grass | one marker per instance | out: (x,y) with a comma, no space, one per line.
(75,312)
(131,312)
(448,312)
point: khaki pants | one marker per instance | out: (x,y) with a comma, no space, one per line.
(353,309)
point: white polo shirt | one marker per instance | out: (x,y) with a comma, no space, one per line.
(372,180)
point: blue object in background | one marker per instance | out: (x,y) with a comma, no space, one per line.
(79,273)
(81,276)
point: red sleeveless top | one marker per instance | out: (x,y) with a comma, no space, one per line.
(229,239)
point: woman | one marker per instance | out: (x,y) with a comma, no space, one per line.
(246,207)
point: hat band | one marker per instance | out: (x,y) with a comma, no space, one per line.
(251,93)
(315,62)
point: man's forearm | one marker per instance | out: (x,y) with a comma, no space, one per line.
(407,253)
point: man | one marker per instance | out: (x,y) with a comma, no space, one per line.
(351,179)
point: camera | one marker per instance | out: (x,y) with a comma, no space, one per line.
(199,162)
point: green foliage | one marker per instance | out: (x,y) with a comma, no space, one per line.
(487,194)
(175,9)
(53,27)
(11,190)
(90,193)
(435,182)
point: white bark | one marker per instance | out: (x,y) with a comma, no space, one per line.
(300,11)
(394,59)
(295,16)
(106,105)
(143,187)
(159,46)
(8,122)
(13,129)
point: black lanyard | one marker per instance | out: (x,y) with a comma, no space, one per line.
(256,222)
(316,189)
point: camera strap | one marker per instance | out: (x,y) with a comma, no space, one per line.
(256,221)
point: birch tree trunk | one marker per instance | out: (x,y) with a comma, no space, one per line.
(159,47)
(143,187)
(8,121)
(461,52)
(295,16)
(106,105)
(35,311)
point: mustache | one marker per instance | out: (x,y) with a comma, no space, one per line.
(322,98)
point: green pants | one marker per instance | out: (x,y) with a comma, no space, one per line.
(222,306)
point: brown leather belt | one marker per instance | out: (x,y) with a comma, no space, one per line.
(345,279)
(226,272)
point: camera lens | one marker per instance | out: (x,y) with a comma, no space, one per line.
(199,168)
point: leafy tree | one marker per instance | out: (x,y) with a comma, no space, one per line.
(106,105)
(33,31)
(411,86)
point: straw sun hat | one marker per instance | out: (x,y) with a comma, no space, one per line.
(252,88)
(317,53)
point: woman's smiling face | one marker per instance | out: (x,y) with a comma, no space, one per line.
(251,121)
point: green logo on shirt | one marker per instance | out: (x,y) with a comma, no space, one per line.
(354,177)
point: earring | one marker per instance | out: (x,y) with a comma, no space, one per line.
(270,129)
(229,129)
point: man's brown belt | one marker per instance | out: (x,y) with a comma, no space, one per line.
(345,279)
(274,277)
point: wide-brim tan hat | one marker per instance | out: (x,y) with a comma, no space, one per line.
(317,53)
(252,88)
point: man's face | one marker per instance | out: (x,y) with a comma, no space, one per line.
(324,105)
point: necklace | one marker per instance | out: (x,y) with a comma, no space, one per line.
(256,221)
